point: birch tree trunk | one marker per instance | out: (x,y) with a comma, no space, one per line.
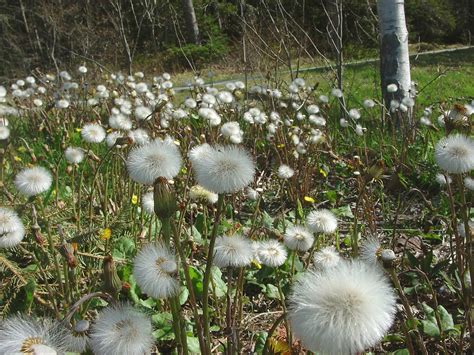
(394,56)
(191,21)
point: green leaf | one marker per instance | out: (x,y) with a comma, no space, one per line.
(412,260)
(200,224)
(164,324)
(430,328)
(196,279)
(267,220)
(271,291)
(446,319)
(148,303)
(193,345)
(260,341)
(196,235)
(220,287)
(331,195)
(183,295)
(123,248)
(299,209)
(344,211)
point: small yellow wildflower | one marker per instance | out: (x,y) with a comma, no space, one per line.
(134,199)
(309,199)
(105,234)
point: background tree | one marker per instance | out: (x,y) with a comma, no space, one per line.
(394,56)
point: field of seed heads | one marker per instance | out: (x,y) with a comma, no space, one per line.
(242,218)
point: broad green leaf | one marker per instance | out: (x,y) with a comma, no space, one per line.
(123,248)
(193,345)
(220,287)
(183,295)
(196,278)
(271,291)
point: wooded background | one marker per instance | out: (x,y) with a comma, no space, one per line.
(129,34)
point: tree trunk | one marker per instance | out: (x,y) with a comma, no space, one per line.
(191,21)
(394,56)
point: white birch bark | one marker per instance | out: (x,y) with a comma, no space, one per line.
(394,56)
(191,21)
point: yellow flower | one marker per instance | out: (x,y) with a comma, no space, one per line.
(280,146)
(323,172)
(134,199)
(309,199)
(78,129)
(21,149)
(256,264)
(17,158)
(105,234)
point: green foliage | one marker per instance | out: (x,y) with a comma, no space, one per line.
(430,20)
(199,55)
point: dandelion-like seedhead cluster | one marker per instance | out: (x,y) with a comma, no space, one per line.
(159,158)
(342,310)
(33,181)
(455,154)
(23,335)
(232,251)
(74,155)
(322,221)
(222,169)
(148,203)
(12,230)
(155,271)
(326,258)
(298,238)
(199,193)
(270,253)
(121,329)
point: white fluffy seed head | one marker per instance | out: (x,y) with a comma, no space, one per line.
(222,169)
(4,133)
(230,129)
(93,133)
(391,88)
(469,183)
(120,121)
(455,154)
(326,258)
(199,193)
(285,172)
(139,136)
(74,155)
(148,203)
(155,159)
(33,181)
(322,221)
(12,230)
(342,310)
(112,138)
(121,329)
(354,114)
(76,339)
(298,238)
(143,113)
(370,250)
(233,251)
(270,253)
(155,271)
(22,335)
(443,179)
